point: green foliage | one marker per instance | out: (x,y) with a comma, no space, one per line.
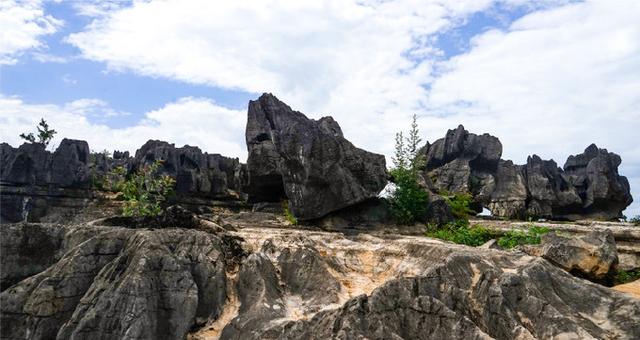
(144,191)
(515,238)
(459,204)
(460,232)
(45,135)
(626,276)
(635,220)
(408,200)
(288,214)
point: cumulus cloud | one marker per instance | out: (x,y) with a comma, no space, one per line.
(187,121)
(22,25)
(552,83)
(366,62)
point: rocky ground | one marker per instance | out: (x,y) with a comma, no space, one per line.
(254,276)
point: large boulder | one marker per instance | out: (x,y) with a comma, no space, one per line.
(306,161)
(589,186)
(593,256)
(594,174)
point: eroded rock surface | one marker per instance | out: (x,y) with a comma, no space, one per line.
(306,161)
(589,186)
(593,256)
(119,283)
(283,283)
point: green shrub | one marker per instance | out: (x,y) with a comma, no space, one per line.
(515,238)
(626,276)
(288,214)
(408,201)
(144,191)
(459,204)
(460,232)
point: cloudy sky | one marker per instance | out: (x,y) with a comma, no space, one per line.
(546,77)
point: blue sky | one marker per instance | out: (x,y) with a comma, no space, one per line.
(546,77)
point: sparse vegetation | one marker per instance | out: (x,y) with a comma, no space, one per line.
(460,232)
(44,136)
(626,276)
(288,214)
(408,200)
(515,238)
(635,220)
(144,191)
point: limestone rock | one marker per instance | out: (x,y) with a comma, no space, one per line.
(593,256)
(196,173)
(120,282)
(589,186)
(307,162)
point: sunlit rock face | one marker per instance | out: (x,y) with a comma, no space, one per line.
(276,283)
(307,162)
(588,186)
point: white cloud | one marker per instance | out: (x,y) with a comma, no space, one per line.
(193,121)
(362,61)
(22,25)
(554,82)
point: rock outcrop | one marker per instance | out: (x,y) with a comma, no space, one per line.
(196,173)
(593,256)
(96,281)
(35,183)
(589,186)
(307,162)
(116,283)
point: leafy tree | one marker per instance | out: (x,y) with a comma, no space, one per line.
(45,135)
(408,200)
(144,191)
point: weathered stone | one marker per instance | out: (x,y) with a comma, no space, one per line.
(307,162)
(196,173)
(588,187)
(594,174)
(120,282)
(593,256)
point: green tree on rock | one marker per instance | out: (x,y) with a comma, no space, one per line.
(45,135)
(408,200)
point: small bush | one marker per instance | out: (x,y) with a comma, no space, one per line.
(460,232)
(626,276)
(515,238)
(288,214)
(144,192)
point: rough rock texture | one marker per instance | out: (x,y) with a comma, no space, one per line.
(59,184)
(118,283)
(307,162)
(593,256)
(35,180)
(413,288)
(196,173)
(589,186)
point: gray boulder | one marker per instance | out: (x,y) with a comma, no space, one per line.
(306,161)
(593,256)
